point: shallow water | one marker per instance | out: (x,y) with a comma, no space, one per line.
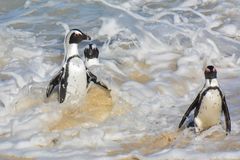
(152,53)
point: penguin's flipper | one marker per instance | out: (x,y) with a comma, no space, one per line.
(62,88)
(93,78)
(54,81)
(227,115)
(191,107)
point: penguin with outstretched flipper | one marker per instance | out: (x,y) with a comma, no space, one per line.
(209,104)
(73,78)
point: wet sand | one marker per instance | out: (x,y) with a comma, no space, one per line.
(147,144)
(139,77)
(12,157)
(130,158)
(95,109)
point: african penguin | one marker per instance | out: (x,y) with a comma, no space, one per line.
(73,78)
(91,55)
(209,104)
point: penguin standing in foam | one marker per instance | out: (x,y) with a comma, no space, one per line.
(91,55)
(73,78)
(209,104)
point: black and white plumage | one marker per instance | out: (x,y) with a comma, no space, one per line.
(209,104)
(71,41)
(91,55)
(73,78)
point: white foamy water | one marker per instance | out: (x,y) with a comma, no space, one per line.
(152,56)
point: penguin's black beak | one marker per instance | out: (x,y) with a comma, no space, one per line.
(86,37)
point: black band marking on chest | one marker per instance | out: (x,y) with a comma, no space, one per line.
(203,94)
(67,66)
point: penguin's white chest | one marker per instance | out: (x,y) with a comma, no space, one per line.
(210,110)
(91,62)
(77,80)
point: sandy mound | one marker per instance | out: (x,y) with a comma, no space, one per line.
(96,108)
